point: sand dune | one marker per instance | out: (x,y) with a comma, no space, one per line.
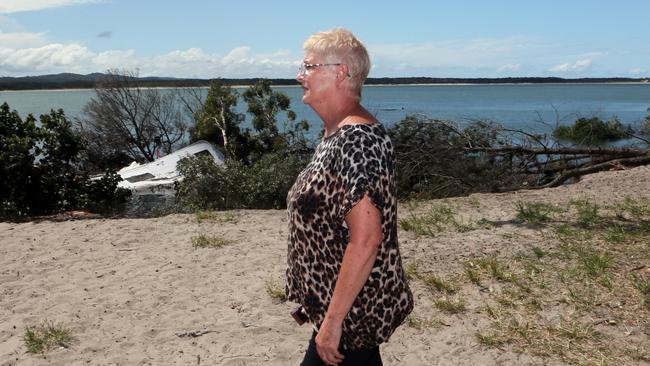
(130,288)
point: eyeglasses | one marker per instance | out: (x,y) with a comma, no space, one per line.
(305,67)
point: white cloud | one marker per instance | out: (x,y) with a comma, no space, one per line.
(42,58)
(15,6)
(54,57)
(579,65)
(636,71)
(21,39)
(509,68)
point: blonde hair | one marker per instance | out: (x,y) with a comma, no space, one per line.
(340,45)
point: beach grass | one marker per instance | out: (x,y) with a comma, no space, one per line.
(217,216)
(420,323)
(207,241)
(42,338)
(535,212)
(591,278)
(450,305)
(441,218)
(439,284)
(275,291)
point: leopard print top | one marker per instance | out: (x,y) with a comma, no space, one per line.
(355,161)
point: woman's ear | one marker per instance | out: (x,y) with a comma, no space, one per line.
(344,71)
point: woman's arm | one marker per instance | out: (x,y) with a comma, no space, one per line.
(364,224)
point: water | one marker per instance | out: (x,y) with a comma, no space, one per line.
(515,106)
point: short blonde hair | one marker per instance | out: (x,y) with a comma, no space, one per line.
(340,45)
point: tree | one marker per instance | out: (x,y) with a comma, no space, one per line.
(125,118)
(217,122)
(436,159)
(18,148)
(264,104)
(39,168)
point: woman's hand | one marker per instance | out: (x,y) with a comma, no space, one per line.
(327,340)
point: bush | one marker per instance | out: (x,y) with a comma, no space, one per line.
(645,126)
(590,131)
(39,168)
(104,196)
(262,185)
(431,160)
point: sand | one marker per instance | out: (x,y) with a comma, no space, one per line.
(129,289)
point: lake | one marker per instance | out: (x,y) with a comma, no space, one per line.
(518,106)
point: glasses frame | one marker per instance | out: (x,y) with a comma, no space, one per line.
(306,67)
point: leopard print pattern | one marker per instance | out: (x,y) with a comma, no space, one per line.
(355,161)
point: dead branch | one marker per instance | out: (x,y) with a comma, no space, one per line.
(575,173)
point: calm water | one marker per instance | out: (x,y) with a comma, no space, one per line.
(517,106)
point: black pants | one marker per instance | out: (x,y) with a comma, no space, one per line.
(364,357)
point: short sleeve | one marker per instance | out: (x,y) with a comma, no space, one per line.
(357,168)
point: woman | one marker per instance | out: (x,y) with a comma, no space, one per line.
(344,265)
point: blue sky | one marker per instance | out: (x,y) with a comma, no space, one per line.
(208,39)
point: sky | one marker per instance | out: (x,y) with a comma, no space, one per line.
(239,39)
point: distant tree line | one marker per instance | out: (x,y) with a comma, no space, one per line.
(76,81)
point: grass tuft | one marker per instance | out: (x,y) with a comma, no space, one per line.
(434,221)
(216,216)
(643,286)
(48,335)
(490,340)
(472,273)
(419,323)
(450,306)
(205,241)
(276,291)
(587,213)
(439,284)
(440,218)
(534,212)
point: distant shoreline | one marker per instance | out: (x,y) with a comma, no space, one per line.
(85,82)
(365,85)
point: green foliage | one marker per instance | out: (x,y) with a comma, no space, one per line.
(205,241)
(46,336)
(261,169)
(18,150)
(275,291)
(104,196)
(590,131)
(264,184)
(534,212)
(432,161)
(450,305)
(264,104)
(218,123)
(587,213)
(39,168)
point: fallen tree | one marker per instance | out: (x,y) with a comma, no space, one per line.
(439,159)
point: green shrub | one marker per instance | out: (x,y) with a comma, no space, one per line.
(104,196)
(432,160)
(262,185)
(591,131)
(39,169)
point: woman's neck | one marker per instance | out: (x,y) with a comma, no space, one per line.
(347,114)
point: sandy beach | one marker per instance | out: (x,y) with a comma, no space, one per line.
(130,290)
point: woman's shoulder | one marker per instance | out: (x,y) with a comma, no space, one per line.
(367,134)
(364,129)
